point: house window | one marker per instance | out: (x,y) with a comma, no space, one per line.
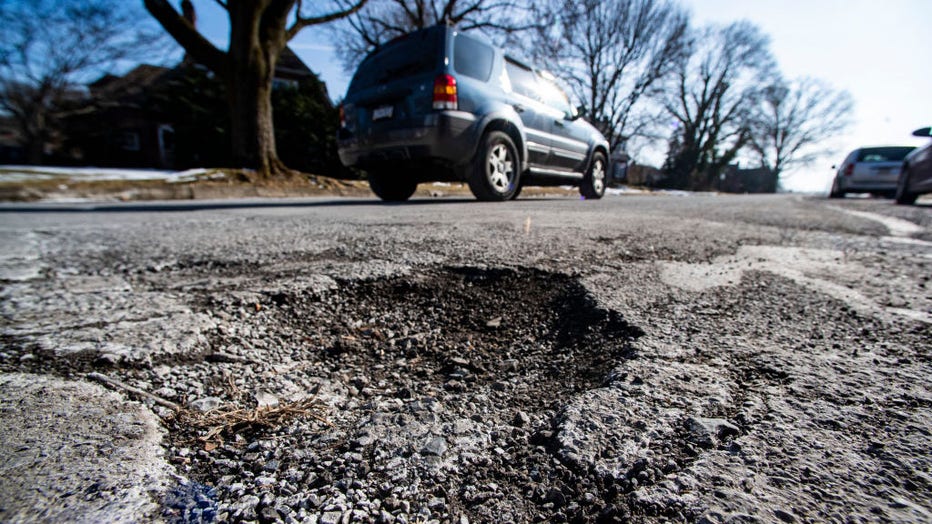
(129,141)
(166,145)
(288,83)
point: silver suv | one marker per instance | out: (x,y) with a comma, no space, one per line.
(442,105)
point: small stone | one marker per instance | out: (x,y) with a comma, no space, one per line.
(270,514)
(494,323)
(206,404)
(266,400)
(521,419)
(556,497)
(331,517)
(436,446)
(246,507)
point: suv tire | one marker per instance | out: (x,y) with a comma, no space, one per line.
(496,172)
(392,188)
(902,196)
(836,192)
(593,184)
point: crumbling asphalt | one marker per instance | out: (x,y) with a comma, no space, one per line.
(649,358)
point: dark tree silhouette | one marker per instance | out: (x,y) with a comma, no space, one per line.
(794,120)
(259,31)
(613,55)
(712,98)
(49,48)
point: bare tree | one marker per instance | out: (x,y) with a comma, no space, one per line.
(794,119)
(48,48)
(712,99)
(259,31)
(613,53)
(383,20)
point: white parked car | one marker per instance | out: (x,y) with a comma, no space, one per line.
(873,170)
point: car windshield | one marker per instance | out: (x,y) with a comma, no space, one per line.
(407,56)
(884,154)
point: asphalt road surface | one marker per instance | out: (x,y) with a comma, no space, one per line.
(640,358)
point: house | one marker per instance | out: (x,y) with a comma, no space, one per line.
(117,126)
(128,120)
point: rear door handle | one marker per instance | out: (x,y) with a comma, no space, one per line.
(519,108)
(559,123)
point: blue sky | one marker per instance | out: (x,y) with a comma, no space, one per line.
(880,52)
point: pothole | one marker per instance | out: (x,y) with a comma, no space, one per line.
(441,392)
(442,389)
(461,331)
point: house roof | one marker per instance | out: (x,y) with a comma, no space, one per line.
(131,83)
(290,63)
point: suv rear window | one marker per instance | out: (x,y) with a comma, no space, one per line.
(883,154)
(472,58)
(407,56)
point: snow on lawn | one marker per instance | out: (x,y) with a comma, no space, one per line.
(93,174)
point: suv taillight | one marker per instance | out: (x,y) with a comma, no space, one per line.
(445,92)
(342,116)
(849,170)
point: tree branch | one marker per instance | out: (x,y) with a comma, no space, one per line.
(188,37)
(302,22)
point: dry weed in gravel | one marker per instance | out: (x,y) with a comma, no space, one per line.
(231,420)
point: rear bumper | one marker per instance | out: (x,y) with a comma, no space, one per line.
(867,186)
(449,137)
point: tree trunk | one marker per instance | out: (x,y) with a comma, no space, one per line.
(252,130)
(33,129)
(251,68)
(35,149)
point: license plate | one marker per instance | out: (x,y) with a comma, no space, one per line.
(382,112)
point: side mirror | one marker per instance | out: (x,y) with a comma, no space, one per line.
(923,132)
(580,111)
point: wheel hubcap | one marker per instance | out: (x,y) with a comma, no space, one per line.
(598,176)
(501,168)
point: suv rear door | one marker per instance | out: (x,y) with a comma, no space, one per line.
(569,142)
(526,99)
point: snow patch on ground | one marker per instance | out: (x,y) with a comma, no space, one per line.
(94,174)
